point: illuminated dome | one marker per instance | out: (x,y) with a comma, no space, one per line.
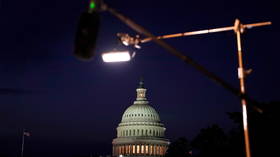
(140,113)
(140,132)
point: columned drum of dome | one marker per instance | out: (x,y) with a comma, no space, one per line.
(140,132)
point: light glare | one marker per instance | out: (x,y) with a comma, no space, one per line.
(92,5)
(116,56)
(125,43)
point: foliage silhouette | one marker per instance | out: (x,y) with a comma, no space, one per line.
(179,148)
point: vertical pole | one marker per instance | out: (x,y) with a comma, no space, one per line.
(241,76)
(22,144)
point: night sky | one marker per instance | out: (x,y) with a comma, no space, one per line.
(72,107)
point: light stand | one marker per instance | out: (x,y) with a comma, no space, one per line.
(238,28)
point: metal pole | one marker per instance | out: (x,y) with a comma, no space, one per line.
(205,31)
(22,144)
(241,75)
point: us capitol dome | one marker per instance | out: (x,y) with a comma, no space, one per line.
(140,132)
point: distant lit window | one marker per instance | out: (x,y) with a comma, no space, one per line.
(151,149)
(160,150)
(138,149)
(133,149)
(157,149)
(146,149)
(142,149)
(123,149)
(120,150)
(126,149)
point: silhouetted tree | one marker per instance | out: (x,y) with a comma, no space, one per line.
(263,131)
(211,141)
(236,145)
(263,128)
(179,148)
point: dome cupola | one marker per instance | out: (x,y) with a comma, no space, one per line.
(140,111)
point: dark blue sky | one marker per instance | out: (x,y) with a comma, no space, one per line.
(72,107)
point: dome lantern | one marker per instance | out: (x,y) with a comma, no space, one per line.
(141,91)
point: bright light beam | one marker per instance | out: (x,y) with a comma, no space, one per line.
(119,56)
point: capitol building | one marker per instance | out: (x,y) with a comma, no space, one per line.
(140,132)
